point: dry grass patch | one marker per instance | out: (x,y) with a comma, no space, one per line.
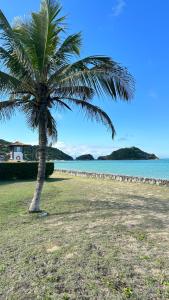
(52,249)
(102,240)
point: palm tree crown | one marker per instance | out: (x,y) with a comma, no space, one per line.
(39,73)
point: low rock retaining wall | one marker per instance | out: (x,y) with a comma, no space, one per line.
(122,178)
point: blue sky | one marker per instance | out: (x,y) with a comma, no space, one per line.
(134,33)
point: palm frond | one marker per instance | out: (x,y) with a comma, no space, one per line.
(93,112)
(62,57)
(100,74)
(40,36)
(16,68)
(53,8)
(70,46)
(8,82)
(81,65)
(60,104)
(51,126)
(84,92)
(32,112)
(13,85)
(12,43)
(7,108)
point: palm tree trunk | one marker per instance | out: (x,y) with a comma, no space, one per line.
(35,204)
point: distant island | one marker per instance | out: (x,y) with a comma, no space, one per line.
(30,152)
(85,157)
(132,153)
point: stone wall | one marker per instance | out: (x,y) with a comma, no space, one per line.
(122,178)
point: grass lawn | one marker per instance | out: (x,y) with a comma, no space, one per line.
(102,240)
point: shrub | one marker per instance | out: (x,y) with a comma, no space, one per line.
(22,170)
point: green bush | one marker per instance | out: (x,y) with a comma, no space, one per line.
(22,170)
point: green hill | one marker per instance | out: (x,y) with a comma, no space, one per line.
(132,153)
(30,152)
(85,157)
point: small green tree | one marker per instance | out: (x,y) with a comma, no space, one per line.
(39,73)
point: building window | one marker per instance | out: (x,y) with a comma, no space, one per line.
(17,149)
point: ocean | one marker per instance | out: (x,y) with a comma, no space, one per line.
(143,168)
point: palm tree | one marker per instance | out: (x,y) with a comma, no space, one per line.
(38,74)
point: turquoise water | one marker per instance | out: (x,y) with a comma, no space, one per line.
(143,168)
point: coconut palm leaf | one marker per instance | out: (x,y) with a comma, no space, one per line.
(7,108)
(84,92)
(104,77)
(94,112)
(69,47)
(59,103)
(51,126)
(12,43)
(8,82)
(10,60)
(40,36)
(53,9)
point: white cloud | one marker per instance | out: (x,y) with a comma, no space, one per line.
(118,7)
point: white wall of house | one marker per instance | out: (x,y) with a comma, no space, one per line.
(18,155)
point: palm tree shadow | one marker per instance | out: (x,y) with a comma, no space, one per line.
(50,180)
(152,210)
(14,181)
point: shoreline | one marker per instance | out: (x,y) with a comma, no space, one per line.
(116,177)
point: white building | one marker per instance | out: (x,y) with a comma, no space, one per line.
(17,151)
